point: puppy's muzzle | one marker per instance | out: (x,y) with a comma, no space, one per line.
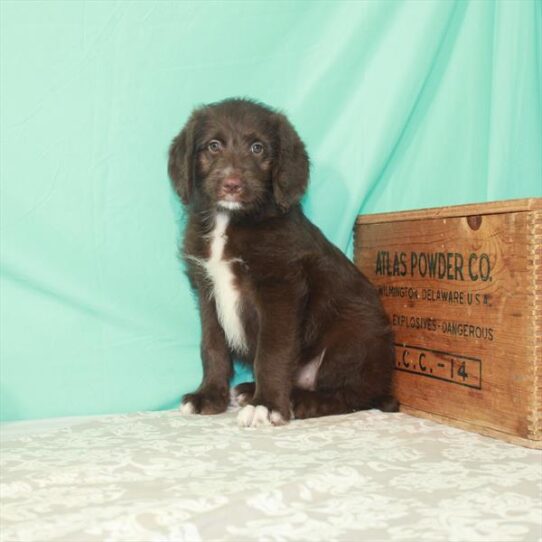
(231,189)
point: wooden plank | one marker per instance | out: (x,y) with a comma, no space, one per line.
(470,209)
(534,444)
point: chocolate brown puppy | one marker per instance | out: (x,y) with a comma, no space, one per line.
(273,292)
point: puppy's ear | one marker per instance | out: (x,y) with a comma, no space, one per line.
(291,166)
(181,161)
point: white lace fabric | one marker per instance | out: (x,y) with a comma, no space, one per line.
(160,476)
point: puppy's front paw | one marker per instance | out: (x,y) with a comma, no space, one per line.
(255,416)
(187,408)
(205,402)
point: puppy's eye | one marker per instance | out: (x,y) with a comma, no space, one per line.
(214,146)
(256,148)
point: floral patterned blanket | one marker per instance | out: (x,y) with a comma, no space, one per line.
(161,476)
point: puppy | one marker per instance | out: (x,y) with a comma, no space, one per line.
(272,291)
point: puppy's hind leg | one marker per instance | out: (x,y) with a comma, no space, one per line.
(312,404)
(351,377)
(242,394)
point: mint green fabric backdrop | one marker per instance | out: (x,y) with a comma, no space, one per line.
(401,104)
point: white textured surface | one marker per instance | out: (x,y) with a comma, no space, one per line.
(167,477)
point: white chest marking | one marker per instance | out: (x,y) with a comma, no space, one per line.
(226,294)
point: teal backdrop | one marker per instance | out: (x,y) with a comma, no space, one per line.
(402,105)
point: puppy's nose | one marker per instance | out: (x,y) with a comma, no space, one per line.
(232,185)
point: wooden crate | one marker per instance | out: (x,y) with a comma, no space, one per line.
(463,288)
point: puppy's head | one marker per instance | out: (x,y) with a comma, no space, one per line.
(238,155)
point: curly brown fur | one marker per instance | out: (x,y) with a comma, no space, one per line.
(273,291)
